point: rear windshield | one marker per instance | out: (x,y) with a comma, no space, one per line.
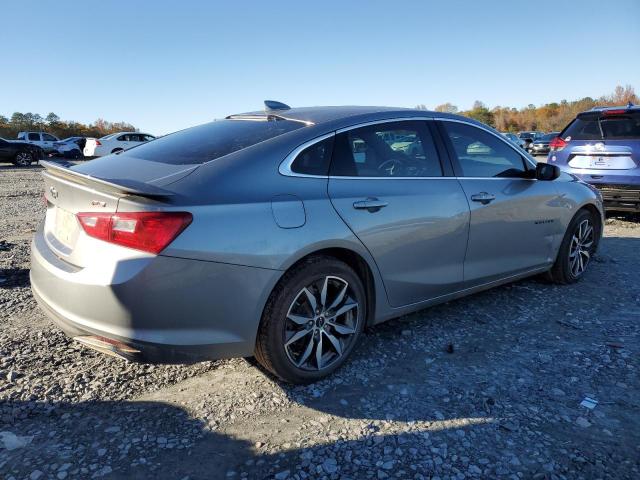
(601,127)
(213,140)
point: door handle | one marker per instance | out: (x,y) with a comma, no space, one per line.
(483,197)
(371,204)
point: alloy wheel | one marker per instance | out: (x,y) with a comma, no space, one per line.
(580,248)
(321,324)
(23,159)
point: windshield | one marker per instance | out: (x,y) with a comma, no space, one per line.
(603,127)
(213,140)
(548,137)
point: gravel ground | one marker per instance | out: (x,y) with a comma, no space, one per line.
(485,387)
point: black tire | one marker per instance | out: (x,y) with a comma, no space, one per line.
(276,326)
(76,154)
(23,159)
(562,271)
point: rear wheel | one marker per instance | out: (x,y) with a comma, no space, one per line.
(577,248)
(23,159)
(312,320)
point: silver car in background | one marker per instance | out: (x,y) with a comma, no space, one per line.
(283,233)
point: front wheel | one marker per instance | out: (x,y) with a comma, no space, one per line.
(23,159)
(312,321)
(577,248)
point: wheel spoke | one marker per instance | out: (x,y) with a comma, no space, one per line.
(307,352)
(312,299)
(299,319)
(342,329)
(344,309)
(587,233)
(323,293)
(297,336)
(340,297)
(319,361)
(335,342)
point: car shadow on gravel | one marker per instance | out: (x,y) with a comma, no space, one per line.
(14,278)
(140,440)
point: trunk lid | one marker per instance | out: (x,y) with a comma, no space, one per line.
(69,191)
(604,154)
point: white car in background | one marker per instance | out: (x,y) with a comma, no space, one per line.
(114,143)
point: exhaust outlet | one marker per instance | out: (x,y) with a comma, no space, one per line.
(107,345)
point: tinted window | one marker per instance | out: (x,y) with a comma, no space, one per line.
(210,141)
(398,149)
(148,138)
(34,137)
(599,127)
(48,138)
(314,160)
(481,154)
(548,137)
(123,138)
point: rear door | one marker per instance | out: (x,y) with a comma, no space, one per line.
(48,141)
(514,219)
(388,184)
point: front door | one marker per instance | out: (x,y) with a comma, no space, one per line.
(514,217)
(387,183)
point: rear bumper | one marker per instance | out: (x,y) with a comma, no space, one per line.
(167,310)
(620,197)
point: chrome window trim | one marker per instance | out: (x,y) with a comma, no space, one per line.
(497,135)
(285,165)
(387,120)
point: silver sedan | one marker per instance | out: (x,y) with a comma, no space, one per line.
(283,233)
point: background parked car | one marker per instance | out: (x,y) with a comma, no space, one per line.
(71,147)
(515,139)
(21,154)
(114,143)
(529,137)
(42,139)
(540,146)
(602,147)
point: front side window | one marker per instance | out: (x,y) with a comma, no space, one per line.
(34,137)
(393,149)
(315,159)
(481,154)
(123,138)
(48,138)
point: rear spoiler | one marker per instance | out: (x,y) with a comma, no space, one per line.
(119,185)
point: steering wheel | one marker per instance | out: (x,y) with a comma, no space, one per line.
(394,167)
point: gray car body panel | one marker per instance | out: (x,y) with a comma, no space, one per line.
(207,290)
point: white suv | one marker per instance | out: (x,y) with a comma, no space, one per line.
(41,139)
(114,143)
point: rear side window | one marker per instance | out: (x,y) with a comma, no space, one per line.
(213,140)
(48,138)
(602,127)
(35,137)
(314,160)
(390,149)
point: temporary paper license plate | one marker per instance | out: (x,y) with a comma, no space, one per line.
(66,225)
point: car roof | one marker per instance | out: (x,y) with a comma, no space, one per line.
(345,115)
(630,107)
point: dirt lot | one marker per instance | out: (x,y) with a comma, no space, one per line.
(485,387)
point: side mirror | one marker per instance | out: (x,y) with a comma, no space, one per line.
(547,172)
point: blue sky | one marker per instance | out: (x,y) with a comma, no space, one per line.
(164,66)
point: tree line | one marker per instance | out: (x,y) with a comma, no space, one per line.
(547,118)
(21,122)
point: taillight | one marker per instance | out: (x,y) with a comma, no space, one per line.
(98,143)
(557,144)
(147,231)
(619,111)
